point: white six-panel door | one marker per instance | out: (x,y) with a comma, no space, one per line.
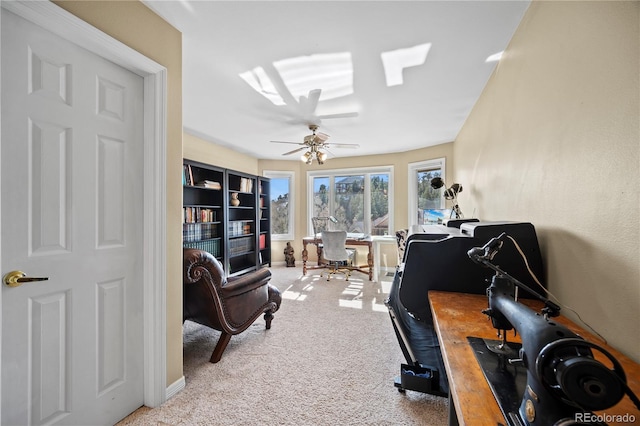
(72,346)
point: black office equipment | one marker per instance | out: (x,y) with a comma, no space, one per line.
(436,259)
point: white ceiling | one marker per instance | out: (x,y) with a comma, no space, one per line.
(222,39)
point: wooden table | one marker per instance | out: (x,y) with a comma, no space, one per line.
(458,315)
(367,241)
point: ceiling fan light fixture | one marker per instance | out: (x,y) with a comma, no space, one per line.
(321,156)
(306,157)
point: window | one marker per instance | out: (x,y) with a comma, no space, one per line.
(359,199)
(281,195)
(421,195)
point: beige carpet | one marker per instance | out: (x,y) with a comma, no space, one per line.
(330,358)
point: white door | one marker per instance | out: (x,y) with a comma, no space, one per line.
(72,346)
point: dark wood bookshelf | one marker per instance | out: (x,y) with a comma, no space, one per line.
(226,213)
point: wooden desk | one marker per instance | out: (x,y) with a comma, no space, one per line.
(458,315)
(367,269)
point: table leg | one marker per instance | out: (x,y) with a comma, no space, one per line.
(376,261)
(305,256)
(370,262)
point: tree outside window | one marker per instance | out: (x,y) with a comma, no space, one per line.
(281,198)
(421,195)
(380,204)
(428,198)
(358,201)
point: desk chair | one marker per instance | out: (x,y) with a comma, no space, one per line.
(335,251)
(321,223)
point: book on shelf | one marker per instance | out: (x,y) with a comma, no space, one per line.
(209,184)
(212,246)
(187,175)
(246,185)
(239,227)
(199,231)
(240,245)
(199,214)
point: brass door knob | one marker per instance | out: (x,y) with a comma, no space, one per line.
(16,278)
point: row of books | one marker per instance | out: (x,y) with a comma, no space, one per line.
(240,245)
(199,214)
(239,227)
(212,246)
(199,231)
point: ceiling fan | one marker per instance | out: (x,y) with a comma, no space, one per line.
(316,144)
(306,110)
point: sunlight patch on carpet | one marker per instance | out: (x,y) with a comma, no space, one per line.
(293,295)
(356,304)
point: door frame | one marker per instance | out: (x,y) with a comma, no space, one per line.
(55,19)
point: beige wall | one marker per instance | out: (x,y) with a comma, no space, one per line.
(137,26)
(198,149)
(554,140)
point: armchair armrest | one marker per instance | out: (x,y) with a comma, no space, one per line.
(196,262)
(245,283)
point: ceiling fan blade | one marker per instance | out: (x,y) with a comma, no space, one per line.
(343,145)
(339,115)
(321,137)
(330,154)
(292,143)
(312,100)
(295,150)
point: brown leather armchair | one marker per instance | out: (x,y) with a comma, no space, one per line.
(229,305)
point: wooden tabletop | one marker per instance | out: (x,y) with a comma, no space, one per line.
(458,315)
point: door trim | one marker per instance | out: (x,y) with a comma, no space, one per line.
(55,19)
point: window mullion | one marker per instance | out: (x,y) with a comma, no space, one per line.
(367,203)
(332,196)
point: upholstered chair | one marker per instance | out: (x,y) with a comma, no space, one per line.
(229,305)
(401,239)
(335,252)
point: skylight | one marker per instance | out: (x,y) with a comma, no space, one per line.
(331,72)
(395,61)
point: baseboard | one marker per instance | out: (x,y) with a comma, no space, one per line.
(174,388)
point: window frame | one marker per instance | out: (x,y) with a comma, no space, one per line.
(282,174)
(367,172)
(412,186)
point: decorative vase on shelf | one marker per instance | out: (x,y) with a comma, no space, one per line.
(234,199)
